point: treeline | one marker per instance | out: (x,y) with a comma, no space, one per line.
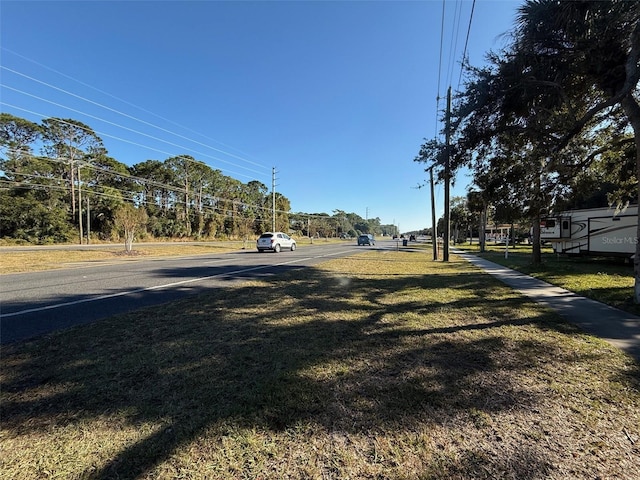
(58,184)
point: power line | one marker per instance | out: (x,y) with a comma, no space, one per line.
(466,43)
(126,128)
(439,68)
(454,39)
(123,101)
(145,182)
(104,134)
(453,47)
(124,114)
(123,127)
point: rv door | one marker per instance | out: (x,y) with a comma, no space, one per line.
(565,227)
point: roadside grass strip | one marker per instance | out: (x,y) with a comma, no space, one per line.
(607,280)
(383,365)
(38,260)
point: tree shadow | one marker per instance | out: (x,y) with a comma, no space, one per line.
(303,347)
(61,311)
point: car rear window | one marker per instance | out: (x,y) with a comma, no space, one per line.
(266,235)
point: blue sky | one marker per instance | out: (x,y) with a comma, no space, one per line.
(337,96)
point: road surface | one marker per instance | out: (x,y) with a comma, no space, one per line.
(32,304)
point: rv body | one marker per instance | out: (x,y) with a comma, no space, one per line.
(594,231)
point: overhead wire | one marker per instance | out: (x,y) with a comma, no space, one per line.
(66,92)
(126,128)
(107,135)
(466,44)
(452,51)
(121,100)
(131,142)
(143,181)
(134,196)
(190,149)
(454,39)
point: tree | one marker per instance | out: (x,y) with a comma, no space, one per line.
(185,170)
(69,141)
(254,197)
(606,179)
(586,50)
(128,220)
(459,217)
(478,204)
(17,135)
(106,183)
(32,206)
(18,163)
(153,177)
(502,121)
(532,116)
(283,207)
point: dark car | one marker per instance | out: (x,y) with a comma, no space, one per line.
(366,239)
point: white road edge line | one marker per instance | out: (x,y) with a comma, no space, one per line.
(155,287)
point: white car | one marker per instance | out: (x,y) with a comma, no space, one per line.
(275,241)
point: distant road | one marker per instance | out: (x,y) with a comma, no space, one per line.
(32,304)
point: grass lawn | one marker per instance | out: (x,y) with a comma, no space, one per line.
(607,280)
(48,259)
(385,365)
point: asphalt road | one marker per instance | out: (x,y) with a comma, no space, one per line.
(32,304)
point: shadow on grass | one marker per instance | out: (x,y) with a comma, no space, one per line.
(307,347)
(51,313)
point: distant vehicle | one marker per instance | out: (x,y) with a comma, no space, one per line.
(594,231)
(366,239)
(275,241)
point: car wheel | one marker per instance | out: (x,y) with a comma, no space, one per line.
(277,248)
(293,247)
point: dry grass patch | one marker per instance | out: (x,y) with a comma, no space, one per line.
(382,365)
(49,259)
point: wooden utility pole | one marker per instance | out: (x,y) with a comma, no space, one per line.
(88,221)
(434,229)
(447,181)
(80,206)
(273,199)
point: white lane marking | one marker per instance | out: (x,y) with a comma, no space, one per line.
(157,287)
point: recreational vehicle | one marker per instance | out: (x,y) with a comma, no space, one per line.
(595,231)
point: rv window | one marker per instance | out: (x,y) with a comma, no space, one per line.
(550,223)
(565,225)
(616,219)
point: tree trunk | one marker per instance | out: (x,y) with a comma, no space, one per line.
(128,240)
(632,110)
(536,256)
(483,229)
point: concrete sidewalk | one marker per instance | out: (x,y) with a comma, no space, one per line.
(617,327)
